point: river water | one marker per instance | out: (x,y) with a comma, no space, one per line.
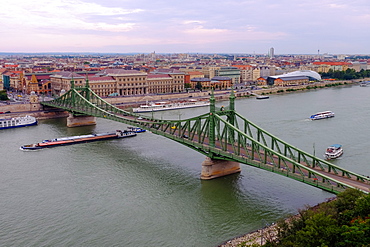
(146,191)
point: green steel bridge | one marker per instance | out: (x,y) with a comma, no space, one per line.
(222,134)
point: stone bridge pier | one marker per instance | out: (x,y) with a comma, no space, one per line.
(76,121)
(214,168)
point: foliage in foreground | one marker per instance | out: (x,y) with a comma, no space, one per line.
(341,222)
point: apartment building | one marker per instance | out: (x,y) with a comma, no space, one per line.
(210,71)
(246,73)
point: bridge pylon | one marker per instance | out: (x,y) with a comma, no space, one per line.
(213,166)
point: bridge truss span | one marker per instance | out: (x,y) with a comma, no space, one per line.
(223,134)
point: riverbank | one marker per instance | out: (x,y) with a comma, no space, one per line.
(260,236)
(129,102)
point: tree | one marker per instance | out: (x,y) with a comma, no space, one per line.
(199,86)
(3,95)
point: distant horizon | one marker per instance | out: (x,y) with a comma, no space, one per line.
(169,53)
(305,27)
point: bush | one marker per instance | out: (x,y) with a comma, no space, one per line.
(342,222)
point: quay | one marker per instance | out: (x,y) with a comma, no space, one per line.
(34,108)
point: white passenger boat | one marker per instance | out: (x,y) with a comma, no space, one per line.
(17,122)
(364,83)
(322,115)
(334,151)
(262,97)
(166,105)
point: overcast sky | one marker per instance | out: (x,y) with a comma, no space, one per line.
(186,26)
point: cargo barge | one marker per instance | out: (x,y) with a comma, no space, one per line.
(78,139)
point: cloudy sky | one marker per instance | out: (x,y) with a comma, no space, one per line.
(203,26)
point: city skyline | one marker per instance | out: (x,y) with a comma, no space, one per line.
(97,26)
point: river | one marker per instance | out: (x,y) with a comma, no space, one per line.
(146,191)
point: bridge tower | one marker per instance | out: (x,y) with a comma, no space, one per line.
(76,120)
(213,166)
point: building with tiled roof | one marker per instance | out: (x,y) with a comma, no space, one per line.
(326,66)
(221,82)
(62,81)
(205,82)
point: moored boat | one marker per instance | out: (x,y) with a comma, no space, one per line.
(167,105)
(78,139)
(262,97)
(322,115)
(17,122)
(334,151)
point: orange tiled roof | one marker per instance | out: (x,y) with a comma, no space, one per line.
(11,65)
(244,66)
(331,63)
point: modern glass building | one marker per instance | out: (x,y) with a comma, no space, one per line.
(232,72)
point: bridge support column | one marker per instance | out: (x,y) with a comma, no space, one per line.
(76,121)
(214,168)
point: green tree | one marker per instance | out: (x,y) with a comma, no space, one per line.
(199,86)
(3,95)
(187,85)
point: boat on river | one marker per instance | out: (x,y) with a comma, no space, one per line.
(168,105)
(78,139)
(322,115)
(262,97)
(364,83)
(17,122)
(334,151)
(136,129)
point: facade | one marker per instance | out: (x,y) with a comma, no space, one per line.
(205,82)
(62,81)
(192,74)
(103,85)
(325,66)
(231,72)
(37,82)
(299,77)
(221,82)
(262,81)
(6,80)
(256,73)
(177,76)
(210,71)
(129,82)
(291,81)
(246,73)
(159,83)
